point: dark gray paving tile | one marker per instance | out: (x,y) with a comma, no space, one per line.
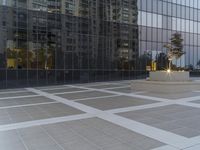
(110,85)
(100,134)
(50,87)
(12,90)
(182,120)
(36,112)
(82,95)
(24,101)
(187,132)
(171,95)
(64,90)
(115,102)
(4,95)
(123,90)
(50,110)
(196,102)
(86,134)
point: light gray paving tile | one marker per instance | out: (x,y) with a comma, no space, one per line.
(115,102)
(82,95)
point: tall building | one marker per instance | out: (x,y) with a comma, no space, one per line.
(69,41)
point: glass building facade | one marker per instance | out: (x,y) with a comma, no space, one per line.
(45,42)
(158,20)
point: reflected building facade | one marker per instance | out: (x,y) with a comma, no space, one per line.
(44,42)
(159,19)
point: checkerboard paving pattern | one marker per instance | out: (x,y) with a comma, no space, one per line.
(98,116)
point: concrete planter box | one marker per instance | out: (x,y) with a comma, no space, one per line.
(172,76)
(164,82)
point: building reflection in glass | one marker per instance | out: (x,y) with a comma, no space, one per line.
(67,41)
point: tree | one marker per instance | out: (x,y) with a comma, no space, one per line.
(11,53)
(45,58)
(175,48)
(25,58)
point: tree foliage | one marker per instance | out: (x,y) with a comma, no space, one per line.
(45,58)
(175,47)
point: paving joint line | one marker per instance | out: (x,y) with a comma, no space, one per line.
(51,89)
(79,91)
(47,121)
(125,94)
(188,99)
(143,129)
(99,97)
(118,87)
(141,107)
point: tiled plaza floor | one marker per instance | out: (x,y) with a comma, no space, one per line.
(98,116)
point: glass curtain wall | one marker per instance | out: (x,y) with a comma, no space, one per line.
(45,42)
(159,19)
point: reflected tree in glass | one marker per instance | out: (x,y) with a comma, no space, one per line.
(175,48)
